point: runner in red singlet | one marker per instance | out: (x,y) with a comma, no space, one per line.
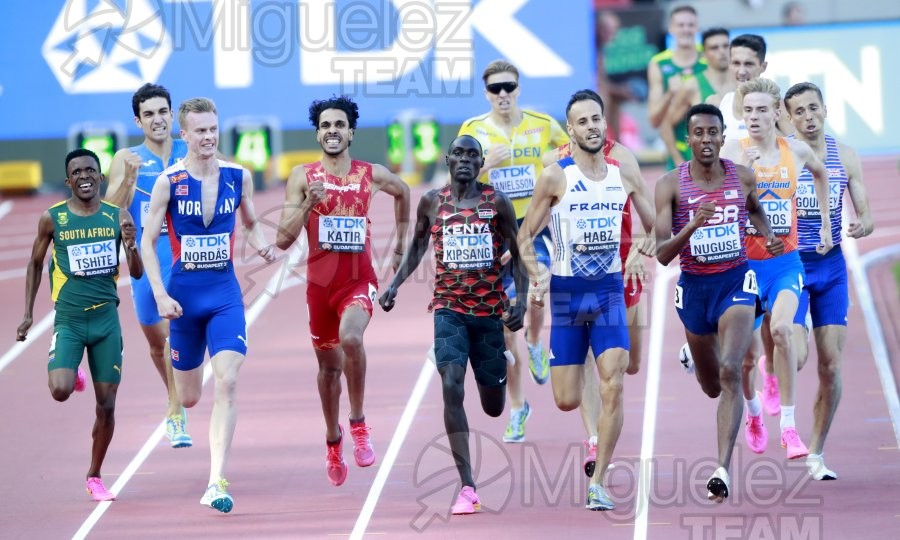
(331,199)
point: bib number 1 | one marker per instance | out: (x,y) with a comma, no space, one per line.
(750,282)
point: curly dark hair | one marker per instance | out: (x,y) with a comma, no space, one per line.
(343,103)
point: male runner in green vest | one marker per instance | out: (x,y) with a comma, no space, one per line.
(86,233)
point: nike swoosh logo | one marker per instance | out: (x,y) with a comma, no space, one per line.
(692,200)
(737,299)
(501,381)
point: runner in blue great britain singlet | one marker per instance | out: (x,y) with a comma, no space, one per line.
(151,167)
(203,281)
(586,287)
(826,275)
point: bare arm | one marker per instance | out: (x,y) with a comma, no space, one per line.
(123,178)
(647,243)
(755,211)
(640,195)
(33,271)
(550,157)
(425,216)
(132,256)
(159,203)
(252,229)
(666,196)
(685,95)
(814,165)
(547,192)
(391,184)
(657,99)
(863,225)
(297,206)
(509,230)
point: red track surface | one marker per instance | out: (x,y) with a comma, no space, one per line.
(533,490)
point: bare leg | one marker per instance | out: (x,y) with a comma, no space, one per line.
(156,335)
(225,368)
(329,383)
(353,324)
(514,372)
(611,367)
(785,359)
(590,397)
(830,344)
(104,425)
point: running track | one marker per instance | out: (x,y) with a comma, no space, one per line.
(533,490)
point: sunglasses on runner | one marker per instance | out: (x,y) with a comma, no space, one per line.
(496,87)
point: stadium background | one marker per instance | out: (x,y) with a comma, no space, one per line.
(69,69)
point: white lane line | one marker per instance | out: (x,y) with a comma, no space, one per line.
(5,208)
(859,268)
(390,457)
(651,397)
(275,285)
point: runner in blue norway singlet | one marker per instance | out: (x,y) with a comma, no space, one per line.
(203,279)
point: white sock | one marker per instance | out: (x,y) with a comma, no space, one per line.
(513,411)
(754,406)
(787,417)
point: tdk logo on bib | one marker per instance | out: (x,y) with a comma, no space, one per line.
(207,241)
(94,259)
(598,223)
(342,233)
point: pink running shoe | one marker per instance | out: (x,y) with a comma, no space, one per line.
(363,452)
(334,461)
(80,380)
(467,502)
(791,441)
(98,491)
(771,399)
(756,433)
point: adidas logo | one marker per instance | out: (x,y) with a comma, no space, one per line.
(578,187)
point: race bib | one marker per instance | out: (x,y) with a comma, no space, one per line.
(716,243)
(679,297)
(516,181)
(94,259)
(145,215)
(808,204)
(342,233)
(205,251)
(597,234)
(780,217)
(750,285)
(468,247)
